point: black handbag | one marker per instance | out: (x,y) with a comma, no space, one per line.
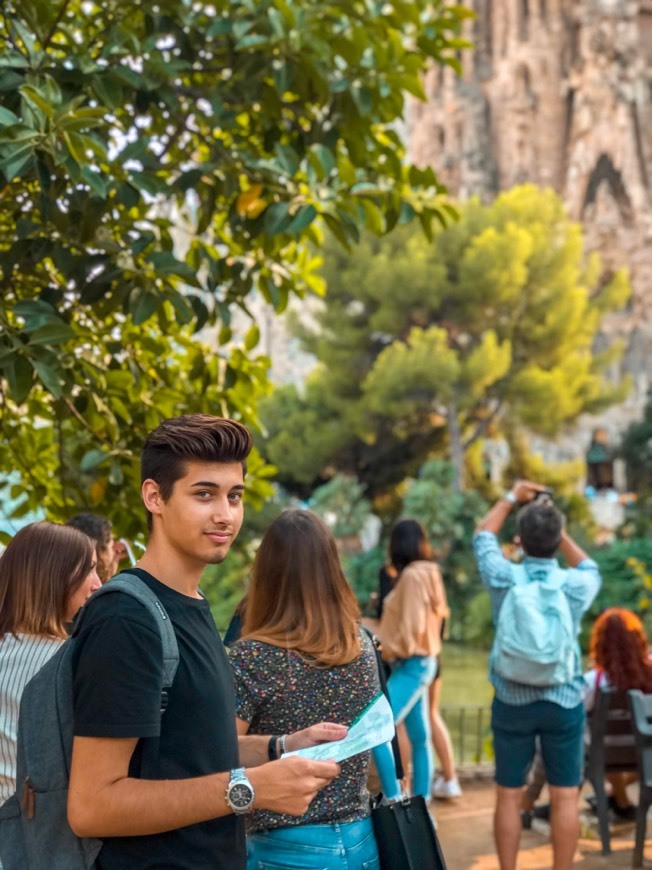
(406,837)
(404,831)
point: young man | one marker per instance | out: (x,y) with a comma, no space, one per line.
(522,712)
(168,790)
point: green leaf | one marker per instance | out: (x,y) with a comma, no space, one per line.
(40,103)
(325,157)
(167,263)
(142,306)
(50,375)
(252,337)
(277,218)
(52,333)
(20,377)
(92,459)
(95,181)
(303,218)
(8,117)
(287,158)
(14,162)
(116,475)
(108,90)
(36,313)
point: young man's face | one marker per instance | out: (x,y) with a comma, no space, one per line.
(203,514)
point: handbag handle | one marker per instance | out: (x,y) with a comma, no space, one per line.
(398,762)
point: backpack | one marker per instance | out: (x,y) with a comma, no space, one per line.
(34,829)
(535,640)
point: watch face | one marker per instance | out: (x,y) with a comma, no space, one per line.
(240,795)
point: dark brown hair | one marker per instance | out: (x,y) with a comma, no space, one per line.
(200,437)
(299,598)
(96,527)
(539,527)
(43,565)
(408,543)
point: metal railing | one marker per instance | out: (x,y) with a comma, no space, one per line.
(470,730)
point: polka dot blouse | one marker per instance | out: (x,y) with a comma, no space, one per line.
(278,691)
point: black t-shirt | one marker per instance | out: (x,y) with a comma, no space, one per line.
(118,679)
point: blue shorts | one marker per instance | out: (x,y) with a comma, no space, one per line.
(560,730)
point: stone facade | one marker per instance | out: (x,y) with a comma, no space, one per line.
(559,93)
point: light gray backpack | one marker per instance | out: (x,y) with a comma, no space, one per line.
(34,829)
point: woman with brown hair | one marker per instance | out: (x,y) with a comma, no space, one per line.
(619,652)
(304,658)
(46,574)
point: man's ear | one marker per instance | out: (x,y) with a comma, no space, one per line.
(152,498)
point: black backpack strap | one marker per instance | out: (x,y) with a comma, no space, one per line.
(398,761)
(130,584)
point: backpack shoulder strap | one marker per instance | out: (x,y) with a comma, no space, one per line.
(130,584)
(556,578)
(519,574)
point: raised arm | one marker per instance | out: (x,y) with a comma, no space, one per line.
(571,551)
(522,492)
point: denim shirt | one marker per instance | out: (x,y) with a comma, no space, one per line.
(581,587)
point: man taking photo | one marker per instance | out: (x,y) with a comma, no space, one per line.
(535,664)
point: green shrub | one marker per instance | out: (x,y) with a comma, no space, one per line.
(626,569)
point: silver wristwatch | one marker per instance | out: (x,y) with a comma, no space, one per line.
(240,792)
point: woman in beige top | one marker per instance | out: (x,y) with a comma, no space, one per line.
(410,630)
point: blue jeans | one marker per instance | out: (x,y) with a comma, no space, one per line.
(408,693)
(314,847)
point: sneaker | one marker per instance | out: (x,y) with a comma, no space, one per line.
(446,789)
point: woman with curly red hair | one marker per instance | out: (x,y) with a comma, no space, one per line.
(620,658)
(619,654)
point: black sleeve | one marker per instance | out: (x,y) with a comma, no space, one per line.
(117,671)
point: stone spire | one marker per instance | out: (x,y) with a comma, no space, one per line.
(559,93)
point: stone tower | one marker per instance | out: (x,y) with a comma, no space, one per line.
(559,93)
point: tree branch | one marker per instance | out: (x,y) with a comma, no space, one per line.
(57,19)
(483,425)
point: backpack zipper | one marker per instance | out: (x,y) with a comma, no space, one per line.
(27,804)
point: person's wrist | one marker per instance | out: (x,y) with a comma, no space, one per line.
(272,747)
(510,496)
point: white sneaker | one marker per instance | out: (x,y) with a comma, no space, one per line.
(446,789)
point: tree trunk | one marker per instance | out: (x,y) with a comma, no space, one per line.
(456,446)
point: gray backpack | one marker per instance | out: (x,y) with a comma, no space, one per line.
(34,829)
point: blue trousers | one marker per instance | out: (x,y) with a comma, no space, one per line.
(314,847)
(408,693)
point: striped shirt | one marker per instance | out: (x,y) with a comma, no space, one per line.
(21,656)
(581,587)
